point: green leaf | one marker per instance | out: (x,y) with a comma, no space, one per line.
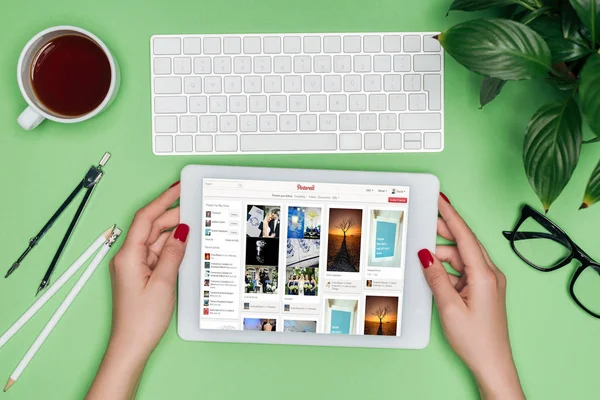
(569,21)
(589,13)
(562,49)
(560,83)
(589,92)
(476,5)
(594,140)
(498,48)
(551,149)
(490,88)
(530,16)
(592,191)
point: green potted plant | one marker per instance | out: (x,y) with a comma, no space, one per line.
(559,41)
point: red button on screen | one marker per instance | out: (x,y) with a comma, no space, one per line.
(397,200)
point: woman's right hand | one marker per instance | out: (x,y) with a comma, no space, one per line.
(472,307)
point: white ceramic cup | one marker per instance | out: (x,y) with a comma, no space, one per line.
(37,112)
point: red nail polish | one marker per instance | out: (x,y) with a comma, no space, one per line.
(426,258)
(181,233)
(175,184)
(445,198)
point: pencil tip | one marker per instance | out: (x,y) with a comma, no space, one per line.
(9,384)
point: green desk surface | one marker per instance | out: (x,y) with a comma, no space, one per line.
(555,344)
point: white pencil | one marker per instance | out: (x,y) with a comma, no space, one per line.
(62,309)
(55,287)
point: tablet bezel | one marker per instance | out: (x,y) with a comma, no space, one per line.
(417,300)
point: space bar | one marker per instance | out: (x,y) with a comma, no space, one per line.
(289,142)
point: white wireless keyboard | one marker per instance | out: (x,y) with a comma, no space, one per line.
(297,93)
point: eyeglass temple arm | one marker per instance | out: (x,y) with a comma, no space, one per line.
(535,235)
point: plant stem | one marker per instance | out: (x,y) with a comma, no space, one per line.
(527,6)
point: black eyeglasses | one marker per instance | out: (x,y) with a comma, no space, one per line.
(544,246)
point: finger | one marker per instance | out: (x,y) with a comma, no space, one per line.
(171,256)
(140,229)
(466,241)
(169,219)
(437,278)
(444,231)
(156,248)
(450,255)
(453,279)
(487,258)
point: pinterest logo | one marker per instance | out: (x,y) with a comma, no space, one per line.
(301,187)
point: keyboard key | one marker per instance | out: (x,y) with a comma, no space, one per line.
(258,104)
(302,64)
(317,102)
(367,122)
(232,45)
(262,65)
(170,105)
(268,123)
(372,83)
(232,84)
(352,83)
(222,65)
(429,121)
(165,124)
(208,123)
(372,141)
(337,102)
(212,45)
(432,141)
(292,83)
(308,122)
(252,84)
(166,46)
(377,102)
(286,142)
(412,83)
(213,84)
(312,44)
(217,104)
(170,85)
(392,141)
(392,83)
(252,45)
(332,44)
(298,103)
(192,84)
(388,122)
(198,104)
(192,46)
(312,83)
(427,62)
(272,45)
(433,85)
(350,141)
(371,43)
(288,123)
(327,122)
(228,123)
(277,103)
(163,144)
(412,141)
(248,123)
(204,143)
(273,84)
(342,64)
(182,65)
(401,63)
(322,64)
(358,102)
(397,102)
(161,66)
(351,44)
(430,44)
(202,65)
(226,143)
(292,44)
(347,122)
(382,63)
(242,65)
(188,124)
(362,63)
(332,83)
(282,64)
(412,43)
(237,104)
(416,102)
(391,43)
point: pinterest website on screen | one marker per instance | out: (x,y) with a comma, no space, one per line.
(303,257)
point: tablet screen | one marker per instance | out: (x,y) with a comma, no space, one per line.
(303,257)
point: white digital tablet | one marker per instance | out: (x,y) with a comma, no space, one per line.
(306,257)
